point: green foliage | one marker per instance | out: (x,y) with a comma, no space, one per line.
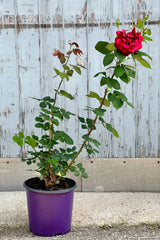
(18,140)
(93,95)
(54,150)
(108,59)
(101,47)
(66,94)
(120,56)
(111,47)
(99,111)
(77,69)
(141,60)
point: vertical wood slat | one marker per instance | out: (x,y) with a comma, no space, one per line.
(26,65)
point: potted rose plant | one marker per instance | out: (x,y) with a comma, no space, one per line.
(50,197)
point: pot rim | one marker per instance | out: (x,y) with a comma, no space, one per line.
(68,180)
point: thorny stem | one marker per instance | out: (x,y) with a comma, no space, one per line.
(88,134)
(91,129)
(52,115)
(59,86)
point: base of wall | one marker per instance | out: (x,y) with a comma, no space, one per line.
(105,174)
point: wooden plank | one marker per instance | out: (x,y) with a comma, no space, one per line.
(31,31)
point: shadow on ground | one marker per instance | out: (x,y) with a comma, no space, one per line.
(108,232)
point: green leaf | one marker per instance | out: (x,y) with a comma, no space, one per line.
(142,61)
(31,142)
(35,137)
(39,125)
(89,122)
(130,72)
(129,104)
(43,105)
(62,60)
(29,162)
(101,47)
(66,137)
(76,173)
(57,71)
(147,38)
(93,95)
(18,140)
(48,99)
(72,168)
(140,23)
(39,119)
(23,159)
(119,71)
(46,111)
(79,165)
(84,126)
(66,94)
(109,127)
(54,109)
(115,133)
(103,73)
(143,54)
(120,96)
(113,83)
(55,121)
(101,119)
(95,142)
(70,73)
(84,175)
(53,161)
(66,67)
(112,130)
(117,103)
(148,31)
(121,57)
(110,97)
(21,135)
(99,112)
(81,119)
(58,115)
(125,78)
(106,103)
(108,59)
(111,47)
(77,69)
(63,75)
(117,99)
(103,81)
(85,136)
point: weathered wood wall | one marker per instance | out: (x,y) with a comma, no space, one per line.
(31,30)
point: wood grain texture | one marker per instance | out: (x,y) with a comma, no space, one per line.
(31,30)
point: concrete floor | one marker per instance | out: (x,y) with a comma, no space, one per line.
(93,213)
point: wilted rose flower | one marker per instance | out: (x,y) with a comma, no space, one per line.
(77,51)
(58,53)
(74,43)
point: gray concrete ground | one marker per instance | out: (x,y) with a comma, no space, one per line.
(95,216)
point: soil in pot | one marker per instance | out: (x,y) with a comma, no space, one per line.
(38,184)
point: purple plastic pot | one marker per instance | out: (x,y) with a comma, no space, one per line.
(50,212)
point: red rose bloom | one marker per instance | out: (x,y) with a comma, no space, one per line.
(128,43)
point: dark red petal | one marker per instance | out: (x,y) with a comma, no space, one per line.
(56,53)
(74,43)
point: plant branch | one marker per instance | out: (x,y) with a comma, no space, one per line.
(91,129)
(88,134)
